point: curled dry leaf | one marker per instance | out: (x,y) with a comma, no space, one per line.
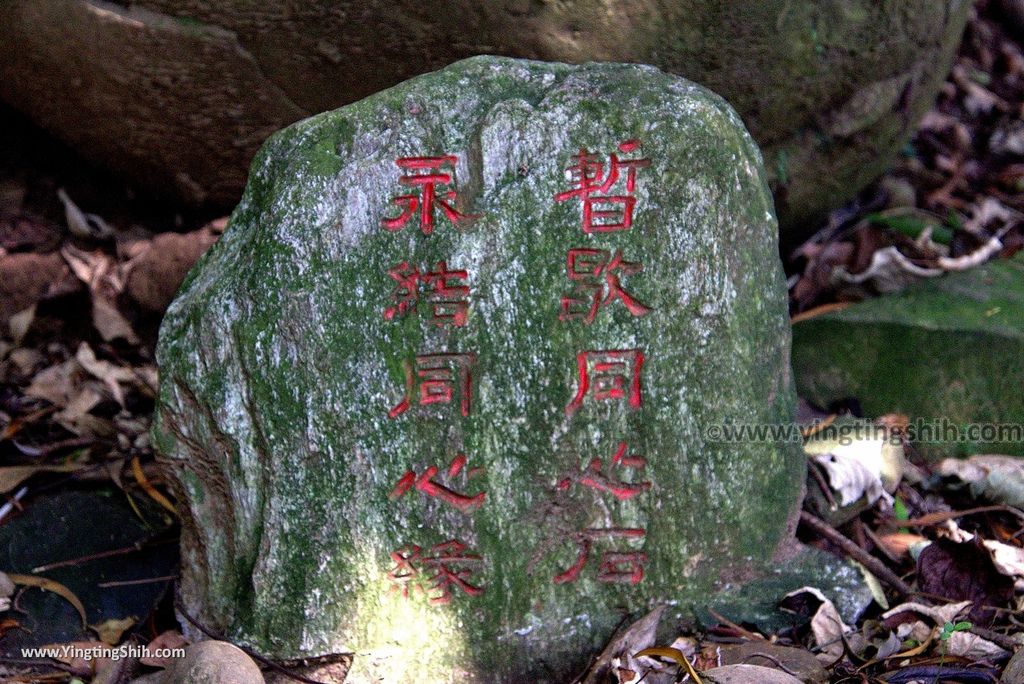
(147,486)
(111,631)
(26,359)
(973,647)
(20,323)
(859,467)
(75,416)
(82,224)
(57,384)
(111,375)
(105,282)
(673,654)
(921,622)
(1008,560)
(51,586)
(12,476)
(827,626)
(991,477)
(899,543)
(923,618)
(619,651)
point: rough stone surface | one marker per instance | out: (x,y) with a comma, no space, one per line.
(179,93)
(212,662)
(796,661)
(748,674)
(757,602)
(948,348)
(279,367)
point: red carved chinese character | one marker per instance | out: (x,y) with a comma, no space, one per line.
(593,183)
(596,274)
(404,572)
(610,569)
(406,293)
(608,374)
(445,563)
(618,566)
(426,173)
(448,299)
(594,477)
(426,484)
(440,377)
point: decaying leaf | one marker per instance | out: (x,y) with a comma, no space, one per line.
(921,622)
(859,467)
(51,586)
(619,653)
(748,674)
(56,384)
(12,476)
(991,477)
(26,359)
(83,224)
(673,654)
(110,323)
(111,631)
(964,571)
(899,543)
(20,323)
(827,626)
(105,281)
(1008,560)
(112,376)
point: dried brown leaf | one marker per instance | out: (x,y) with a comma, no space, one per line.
(54,587)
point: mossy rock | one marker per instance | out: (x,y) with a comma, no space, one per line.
(945,352)
(302,407)
(178,94)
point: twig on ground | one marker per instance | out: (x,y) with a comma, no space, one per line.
(877,568)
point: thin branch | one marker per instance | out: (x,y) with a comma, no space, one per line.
(877,568)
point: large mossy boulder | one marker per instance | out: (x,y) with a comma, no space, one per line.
(438,397)
(179,93)
(946,353)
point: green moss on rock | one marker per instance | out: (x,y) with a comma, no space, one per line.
(278,369)
(945,352)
